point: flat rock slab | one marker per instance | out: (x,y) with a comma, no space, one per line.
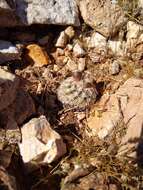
(40,142)
(8,88)
(8,52)
(125,105)
(27,12)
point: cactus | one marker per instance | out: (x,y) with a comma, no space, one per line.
(77,91)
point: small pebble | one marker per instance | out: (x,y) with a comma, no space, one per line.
(81,64)
(114,68)
(138,73)
(70,32)
(72,66)
(69,47)
(78,50)
(62,40)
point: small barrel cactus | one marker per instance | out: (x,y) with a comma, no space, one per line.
(77,91)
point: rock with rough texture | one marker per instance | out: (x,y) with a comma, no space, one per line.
(62,12)
(36,55)
(62,40)
(70,32)
(22,108)
(117,48)
(114,68)
(134,35)
(40,142)
(125,105)
(8,88)
(105,17)
(96,41)
(8,52)
(78,50)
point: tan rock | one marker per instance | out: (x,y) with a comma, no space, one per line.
(102,122)
(125,105)
(134,35)
(40,142)
(117,47)
(62,40)
(105,17)
(37,55)
(81,64)
(70,32)
(71,65)
(78,50)
(96,41)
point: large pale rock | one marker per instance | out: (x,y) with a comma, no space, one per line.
(8,52)
(125,105)
(63,12)
(40,142)
(105,17)
(8,88)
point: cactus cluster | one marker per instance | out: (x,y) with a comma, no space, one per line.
(77,91)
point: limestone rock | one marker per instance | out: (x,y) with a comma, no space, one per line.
(105,17)
(117,47)
(78,50)
(134,35)
(37,55)
(62,40)
(96,41)
(114,67)
(47,12)
(40,142)
(8,51)
(70,32)
(8,88)
(125,105)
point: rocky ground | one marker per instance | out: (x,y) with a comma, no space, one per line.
(71,95)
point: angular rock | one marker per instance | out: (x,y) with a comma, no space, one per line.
(134,35)
(40,142)
(36,55)
(96,41)
(62,40)
(78,50)
(117,48)
(8,88)
(81,64)
(105,17)
(114,68)
(103,122)
(8,52)
(48,12)
(125,105)
(70,32)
